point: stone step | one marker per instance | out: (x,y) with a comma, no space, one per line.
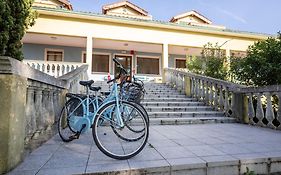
(166,95)
(190,120)
(185,114)
(179,109)
(165,104)
(160,91)
(149,99)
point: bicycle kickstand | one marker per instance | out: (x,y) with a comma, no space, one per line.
(77,134)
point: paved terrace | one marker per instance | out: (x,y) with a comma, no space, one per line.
(211,149)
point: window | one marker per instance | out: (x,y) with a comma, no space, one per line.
(100,62)
(180,63)
(147,65)
(238,54)
(54,55)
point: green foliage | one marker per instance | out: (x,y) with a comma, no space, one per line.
(262,65)
(196,64)
(15,17)
(211,62)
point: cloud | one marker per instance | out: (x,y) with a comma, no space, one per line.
(226,12)
(234,16)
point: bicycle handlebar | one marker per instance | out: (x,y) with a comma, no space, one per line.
(122,70)
(120,66)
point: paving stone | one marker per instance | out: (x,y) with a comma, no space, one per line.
(62,171)
(174,149)
(232,149)
(186,163)
(163,143)
(175,152)
(204,150)
(108,167)
(187,142)
(22,172)
(33,162)
(148,154)
(46,149)
(149,167)
(66,160)
(225,160)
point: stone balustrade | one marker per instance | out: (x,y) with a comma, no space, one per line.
(263,105)
(30,106)
(254,105)
(53,68)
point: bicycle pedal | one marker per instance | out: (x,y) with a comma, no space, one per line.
(75,136)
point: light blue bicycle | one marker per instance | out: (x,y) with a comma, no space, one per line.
(119,128)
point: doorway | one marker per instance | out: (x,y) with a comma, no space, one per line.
(126,61)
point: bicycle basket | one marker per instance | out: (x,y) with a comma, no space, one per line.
(133,92)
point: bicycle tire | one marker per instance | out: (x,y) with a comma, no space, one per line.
(101,139)
(131,129)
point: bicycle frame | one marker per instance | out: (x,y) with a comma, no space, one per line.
(89,116)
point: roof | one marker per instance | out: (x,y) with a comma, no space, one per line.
(67,4)
(105,8)
(191,13)
(149,23)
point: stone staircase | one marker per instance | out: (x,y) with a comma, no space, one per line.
(167,106)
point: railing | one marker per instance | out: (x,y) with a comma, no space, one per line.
(257,106)
(53,68)
(31,104)
(45,100)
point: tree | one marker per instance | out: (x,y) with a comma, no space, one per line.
(15,18)
(211,62)
(262,65)
(215,59)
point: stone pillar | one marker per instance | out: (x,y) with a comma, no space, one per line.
(56,104)
(39,111)
(30,114)
(12,125)
(165,59)
(51,108)
(46,113)
(187,86)
(240,107)
(89,53)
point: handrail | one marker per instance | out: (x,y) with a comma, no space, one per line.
(254,105)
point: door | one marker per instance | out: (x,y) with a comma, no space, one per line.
(126,62)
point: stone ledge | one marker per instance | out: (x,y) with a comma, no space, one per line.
(12,66)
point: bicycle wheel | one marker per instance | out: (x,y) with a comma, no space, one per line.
(110,143)
(133,128)
(69,115)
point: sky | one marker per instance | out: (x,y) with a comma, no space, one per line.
(261,16)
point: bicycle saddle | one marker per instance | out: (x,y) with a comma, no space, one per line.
(86,83)
(95,88)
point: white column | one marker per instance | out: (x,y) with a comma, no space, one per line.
(165,60)
(89,52)
(165,55)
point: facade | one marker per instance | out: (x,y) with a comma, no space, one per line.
(126,32)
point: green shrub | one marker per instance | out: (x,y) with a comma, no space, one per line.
(261,66)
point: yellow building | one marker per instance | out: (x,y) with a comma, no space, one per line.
(124,31)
